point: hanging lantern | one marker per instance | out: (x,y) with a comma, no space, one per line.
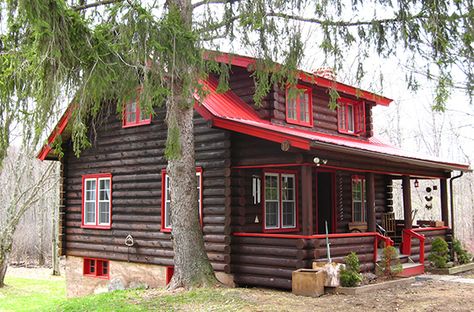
(417,183)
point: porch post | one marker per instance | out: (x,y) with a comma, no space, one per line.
(370,191)
(444,201)
(307,200)
(407,202)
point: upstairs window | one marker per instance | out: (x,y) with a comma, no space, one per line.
(351,116)
(133,115)
(359,206)
(96,268)
(280,201)
(166,199)
(299,106)
(97,200)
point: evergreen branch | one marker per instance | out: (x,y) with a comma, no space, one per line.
(94,4)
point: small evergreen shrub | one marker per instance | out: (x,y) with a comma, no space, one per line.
(439,253)
(350,276)
(390,264)
(462,255)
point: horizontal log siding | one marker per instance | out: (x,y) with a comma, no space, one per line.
(344,199)
(269,262)
(135,158)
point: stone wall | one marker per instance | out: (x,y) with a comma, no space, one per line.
(122,275)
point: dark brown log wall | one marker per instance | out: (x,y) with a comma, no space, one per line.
(273,106)
(135,158)
(430,236)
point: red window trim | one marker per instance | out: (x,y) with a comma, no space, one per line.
(163,198)
(138,121)
(297,121)
(359,126)
(363,195)
(99,264)
(280,229)
(96,226)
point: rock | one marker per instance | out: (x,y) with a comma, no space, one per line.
(100,290)
(116,284)
(369,277)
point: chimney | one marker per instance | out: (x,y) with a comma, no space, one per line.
(325,72)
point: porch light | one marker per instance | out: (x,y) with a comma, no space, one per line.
(417,184)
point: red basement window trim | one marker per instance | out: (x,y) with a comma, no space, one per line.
(97,201)
(96,268)
(280,201)
(166,199)
(299,105)
(132,114)
(351,116)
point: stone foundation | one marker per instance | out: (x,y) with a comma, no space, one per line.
(121,275)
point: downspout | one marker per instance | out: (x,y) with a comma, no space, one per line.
(452,199)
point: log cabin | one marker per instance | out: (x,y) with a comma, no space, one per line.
(274,181)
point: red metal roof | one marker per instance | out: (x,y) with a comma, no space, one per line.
(228,111)
(245,62)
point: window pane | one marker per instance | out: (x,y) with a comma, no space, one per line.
(131,118)
(104,213)
(304,109)
(131,107)
(289,214)
(350,118)
(271,214)
(92,266)
(342,116)
(144,115)
(357,212)
(292,109)
(90,212)
(104,189)
(287,185)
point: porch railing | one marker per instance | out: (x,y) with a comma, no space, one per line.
(407,236)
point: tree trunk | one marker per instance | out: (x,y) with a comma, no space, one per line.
(3,268)
(192,267)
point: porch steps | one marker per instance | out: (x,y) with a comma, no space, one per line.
(412,269)
(401,257)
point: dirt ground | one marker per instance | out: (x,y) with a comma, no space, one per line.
(432,295)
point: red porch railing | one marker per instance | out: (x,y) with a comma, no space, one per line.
(407,235)
(379,237)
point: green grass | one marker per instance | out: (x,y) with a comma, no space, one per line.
(23,294)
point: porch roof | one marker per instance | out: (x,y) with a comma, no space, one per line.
(228,111)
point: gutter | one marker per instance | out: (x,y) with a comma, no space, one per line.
(452,198)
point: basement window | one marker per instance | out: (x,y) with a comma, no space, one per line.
(351,116)
(299,105)
(166,199)
(96,268)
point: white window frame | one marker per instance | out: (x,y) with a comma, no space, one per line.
(293,176)
(167,201)
(278,223)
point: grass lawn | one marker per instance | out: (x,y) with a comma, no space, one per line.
(25,294)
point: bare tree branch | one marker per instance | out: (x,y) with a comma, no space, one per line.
(94,4)
(204,2)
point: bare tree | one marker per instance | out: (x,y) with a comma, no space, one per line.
(24,181)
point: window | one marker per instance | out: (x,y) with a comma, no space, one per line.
(256,190)
(96,268)
(359,206)
(97,201)
(280,201)
(299,105)
(351,116)
(133,115)
(166,199)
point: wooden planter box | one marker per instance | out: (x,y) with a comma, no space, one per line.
(454,270)
(308,282)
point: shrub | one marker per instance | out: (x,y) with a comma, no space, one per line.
(390,265)
(350,276)
(439,253)
(462,255)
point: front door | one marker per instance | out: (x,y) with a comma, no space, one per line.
(325,201)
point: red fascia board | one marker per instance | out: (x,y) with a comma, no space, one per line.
(58,130)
